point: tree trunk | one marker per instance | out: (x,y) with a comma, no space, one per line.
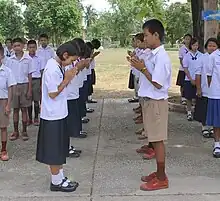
(210,27)
(198,25)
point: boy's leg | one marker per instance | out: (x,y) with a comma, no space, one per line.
(24,124)
(30,120)
(4,136)
(15,134)
(36,112)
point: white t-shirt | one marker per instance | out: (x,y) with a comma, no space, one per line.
(202,70)
(7,80)
(38,65)
(53,109)
(159,66)
(73,86)
(190,61)
(182,52)
(20,68)
(45,53)
(139,53)
(214,71)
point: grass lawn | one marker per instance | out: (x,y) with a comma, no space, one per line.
(112,72)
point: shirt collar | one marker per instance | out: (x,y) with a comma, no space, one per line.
(48,47)
(155,51)
(25,56)
(2,67)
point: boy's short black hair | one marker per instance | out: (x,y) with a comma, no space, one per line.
(90,45)
(32,42)
(96,43)
(8,39)
(17,40)
(192,42)
(214,40)
(155,26)
(139,36)
(44,36)
(2,51)
(81,45)
(67,47)
(189,35)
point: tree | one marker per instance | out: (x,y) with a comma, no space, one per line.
(178,21)
(90,15)
(59,19)
(11,20)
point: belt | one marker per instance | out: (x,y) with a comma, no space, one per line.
(36,78)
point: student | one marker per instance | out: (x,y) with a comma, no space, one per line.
(7,80)
(213,111)
(8,49)
(202,87)
(190,63)
(45,51)
(22,68)
(52,144)
(36,82)
(156,74)
(96,44)
(181,75)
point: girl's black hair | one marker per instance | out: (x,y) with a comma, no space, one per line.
(139,36)
(81,45)
(88,51)
(2,51)
(96,43)
(8,39)
(0,44)
(214,40)
(155,26)
(90,45)
(69,48)
(189,35)
(192,42)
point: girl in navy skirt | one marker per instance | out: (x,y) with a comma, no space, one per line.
(181,75)
(202,87)
(190,63)
(52,142)
(213,113)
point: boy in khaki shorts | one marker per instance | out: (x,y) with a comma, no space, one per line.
(7,80)
(22,68)
(155,81)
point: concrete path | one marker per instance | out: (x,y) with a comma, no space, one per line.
(109,168)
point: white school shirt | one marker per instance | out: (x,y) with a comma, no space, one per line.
(7,80)
(20,68)
(73,87)
(38,66)
(8,53)
(5,60)
(92,64)
(45,53)
(159,66)
(182,52)
(81,75)
(201,69)
(53,109)
(138,52)
(214,71)
(190,61)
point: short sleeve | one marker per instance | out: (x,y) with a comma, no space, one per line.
(161,72)
(11,78)
(181,53)
(52,81)
(185,62)
(199,66)
(52,53)
(210,65)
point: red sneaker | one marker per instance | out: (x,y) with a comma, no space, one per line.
(155,184)
(149,177)
(150,155)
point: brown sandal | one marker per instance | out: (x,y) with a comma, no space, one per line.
(14,136)
(142,137)
(25,136)
(139,132)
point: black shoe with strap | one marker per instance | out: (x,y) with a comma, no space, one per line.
(71,187)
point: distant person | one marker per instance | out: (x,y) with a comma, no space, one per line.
(45,51)
(7,80)
(181,75)
(190,63)
(38,67)
(8,47)
(155,72)
(22,68)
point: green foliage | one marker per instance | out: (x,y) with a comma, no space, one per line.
(178,21)
(11,20)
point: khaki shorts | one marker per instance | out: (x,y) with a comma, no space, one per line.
(19,97)
(4,119)
(155,119)
(36,91)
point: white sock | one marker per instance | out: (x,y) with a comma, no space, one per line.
(189,112)
(183,99)
(56,179)
(62,175)
(217,144)
(90,97)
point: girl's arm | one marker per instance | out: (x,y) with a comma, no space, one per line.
(210,68)
(198,78)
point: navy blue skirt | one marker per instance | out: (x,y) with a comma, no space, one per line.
(93,77)
(200,113)
(90,86)
(180,78)
(52,142)
(189,90)
(82,101)
(131,81)
(74,125)
(213,113)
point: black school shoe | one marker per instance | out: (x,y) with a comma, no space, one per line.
(92,101)
(89,110)
(72,186)
(85,120)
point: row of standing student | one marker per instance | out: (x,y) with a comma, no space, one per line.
(199,81)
